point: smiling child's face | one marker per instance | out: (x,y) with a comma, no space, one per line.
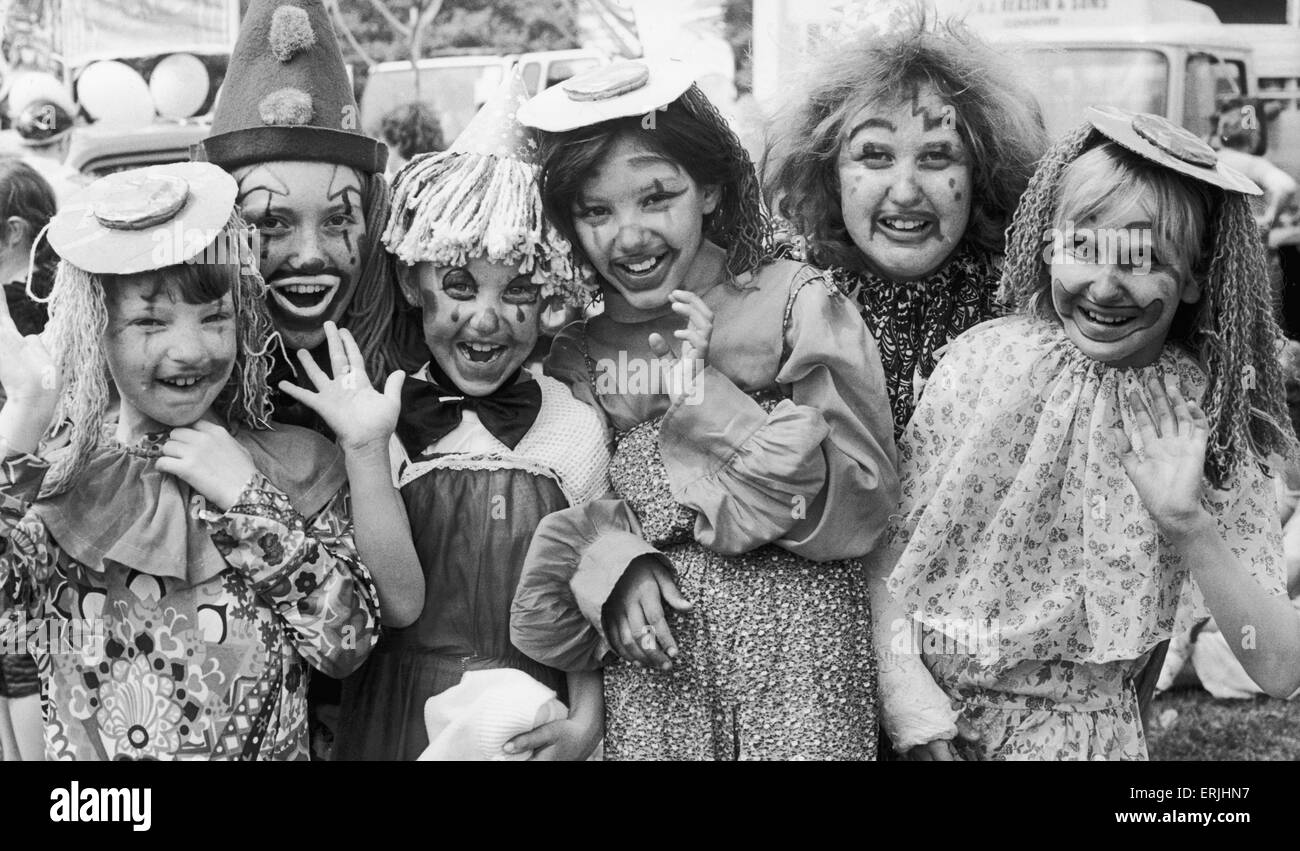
(169,359)
(640,220)
(1122,257)
(480,321)
(312,227)
(905,184)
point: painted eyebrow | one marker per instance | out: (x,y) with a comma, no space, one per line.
(462,270)
(871,124)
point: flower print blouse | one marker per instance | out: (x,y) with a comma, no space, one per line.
(183,632)
(1018,523)
(814,474)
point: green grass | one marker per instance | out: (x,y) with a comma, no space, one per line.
(1206,728)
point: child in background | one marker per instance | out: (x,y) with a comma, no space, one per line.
(27,208)
(191,561)
(754,458)
(1084,479)
(483,449)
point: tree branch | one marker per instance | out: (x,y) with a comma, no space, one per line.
(393,21)
(333,7)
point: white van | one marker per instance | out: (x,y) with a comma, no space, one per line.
(456,86)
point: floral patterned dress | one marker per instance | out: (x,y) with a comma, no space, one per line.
(760,500)
(1038,580)
(165,629)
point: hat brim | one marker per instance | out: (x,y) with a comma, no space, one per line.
(298,142)
(1117,126)
(554,111)
(79,238)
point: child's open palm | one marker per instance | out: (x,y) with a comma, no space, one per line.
(1167,472)
(359,415)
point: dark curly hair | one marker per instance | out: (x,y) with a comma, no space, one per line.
(998,120)
(28,196)
(690,132)
(411,129)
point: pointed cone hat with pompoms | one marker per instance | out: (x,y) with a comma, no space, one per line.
(479,198)
(287,95)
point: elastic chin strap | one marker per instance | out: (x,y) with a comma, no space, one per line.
(31,268)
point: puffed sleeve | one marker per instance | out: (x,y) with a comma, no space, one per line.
(576,557)
(308,571)
(567,362)
(817,475)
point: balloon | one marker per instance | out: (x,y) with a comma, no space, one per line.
(28,86)
(179,85)
(112,92)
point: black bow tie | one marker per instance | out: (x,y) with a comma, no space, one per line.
(432,410)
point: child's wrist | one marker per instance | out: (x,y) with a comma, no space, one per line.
(1187,528)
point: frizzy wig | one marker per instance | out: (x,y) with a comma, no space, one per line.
(78,324)
(692,133)
(1231,329)
(997,118)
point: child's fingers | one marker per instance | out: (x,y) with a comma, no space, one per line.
(1164,415)
(659,347)
(627,644)
(538,737)
(1182,415)
(338,355)
(170,465)
(1144,423)
(643,636)
(393,385)
(356,363)
(672,596)
(694,337)
(317,376)
(1200,422)
(655,636)
(692,302)
(302,394)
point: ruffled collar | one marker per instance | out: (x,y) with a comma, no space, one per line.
(154,523)
(1019,525)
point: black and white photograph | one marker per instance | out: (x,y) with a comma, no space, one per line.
(631,381)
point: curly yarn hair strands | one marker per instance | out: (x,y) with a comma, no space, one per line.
(997,118)
(78,323)
(1232,330)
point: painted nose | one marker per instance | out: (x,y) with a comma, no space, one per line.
(486,321)
(186,347)
(1105,286)
(905,191)
(631,237)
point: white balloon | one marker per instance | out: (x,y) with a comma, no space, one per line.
(28,86)
(112,92)
(179,85)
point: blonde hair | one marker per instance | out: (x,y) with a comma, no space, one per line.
(79,321)
(1231,329)
(1109,182)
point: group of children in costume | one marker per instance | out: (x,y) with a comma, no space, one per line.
(715,571)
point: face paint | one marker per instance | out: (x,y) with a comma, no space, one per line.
(640,220)
(894,164)
(1114,309)
(169,359)
(475,345)
(311,223)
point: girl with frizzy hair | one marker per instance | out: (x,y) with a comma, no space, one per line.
(898,159)
(1089,476)
(720,590)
